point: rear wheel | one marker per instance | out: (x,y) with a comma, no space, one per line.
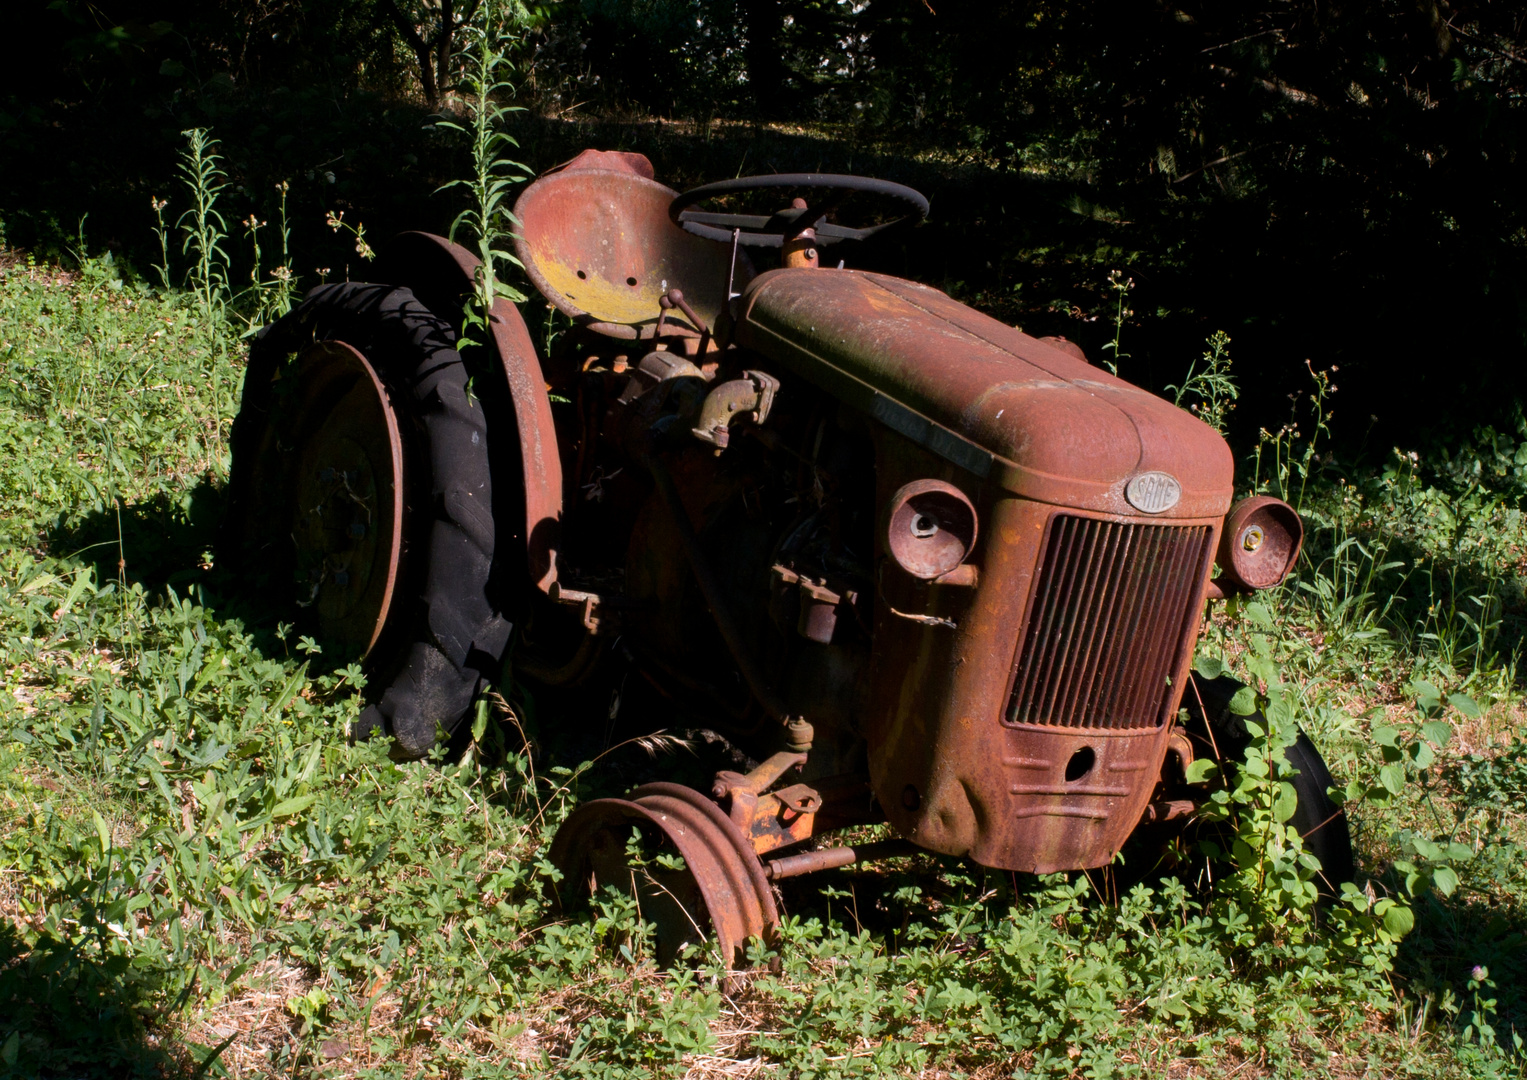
(361,495)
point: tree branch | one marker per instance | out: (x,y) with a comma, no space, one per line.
(1489,46)
(420,49)
(410,32)
(443,42)
(1239,40)
(1217,161)
(1275,85)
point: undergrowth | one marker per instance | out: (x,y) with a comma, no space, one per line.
(196,864)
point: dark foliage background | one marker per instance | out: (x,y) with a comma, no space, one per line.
(1337,182)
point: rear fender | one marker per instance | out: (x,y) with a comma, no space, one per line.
(441,273)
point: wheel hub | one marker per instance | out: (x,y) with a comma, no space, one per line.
(347,509)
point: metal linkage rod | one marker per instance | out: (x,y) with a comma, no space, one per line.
(830,858)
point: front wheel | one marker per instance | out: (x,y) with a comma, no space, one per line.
(1320,821)
(715,890)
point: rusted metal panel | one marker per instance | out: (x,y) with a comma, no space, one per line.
(1019,715)
(1261,543)
(609,161)
(950,773)
(596,240)
(978,393)
(538,442)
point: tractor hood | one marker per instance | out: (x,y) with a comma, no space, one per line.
(1005,406)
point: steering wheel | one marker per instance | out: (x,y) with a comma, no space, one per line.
(758,230)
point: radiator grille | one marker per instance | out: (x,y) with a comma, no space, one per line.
(1111,610)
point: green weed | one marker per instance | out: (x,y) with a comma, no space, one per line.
(487,221)
(1120,286)
(1210,391)
(203,225)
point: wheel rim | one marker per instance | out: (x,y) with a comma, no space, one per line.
(728,871)
(720,892)
(346,508)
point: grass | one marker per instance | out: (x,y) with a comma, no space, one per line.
(200,876)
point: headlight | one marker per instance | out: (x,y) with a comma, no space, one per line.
(1260,543)
(931,528)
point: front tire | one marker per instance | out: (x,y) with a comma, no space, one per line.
(1320,821)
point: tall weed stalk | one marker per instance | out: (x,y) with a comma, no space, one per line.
(1210,389)
(1291,458)
(487,222)
(264,300)
(204,227)
(163,233)
(279,299)
(1121,287)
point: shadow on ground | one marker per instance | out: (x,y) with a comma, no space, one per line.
(1481,932)
(168,544)
(67,1014)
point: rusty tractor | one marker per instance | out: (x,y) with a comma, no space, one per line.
(920,568)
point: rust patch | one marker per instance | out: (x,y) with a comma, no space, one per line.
(597,242)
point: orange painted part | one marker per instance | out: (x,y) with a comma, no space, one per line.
(596,240)
(1000,404)
(1021,718)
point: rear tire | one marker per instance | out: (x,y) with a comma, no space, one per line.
(444,631)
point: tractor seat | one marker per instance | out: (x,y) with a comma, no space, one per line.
(596,241)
